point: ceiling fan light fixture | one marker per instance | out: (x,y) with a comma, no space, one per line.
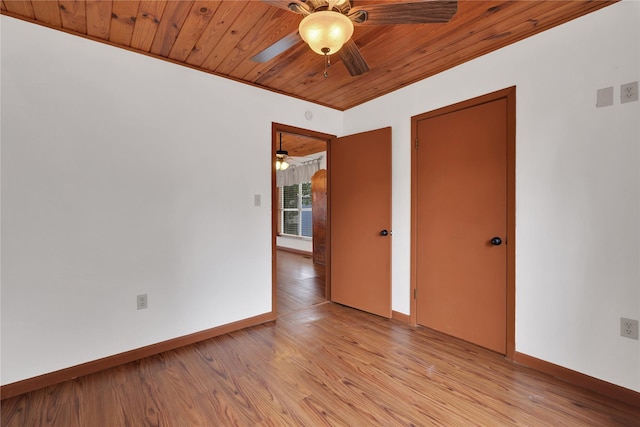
(281,155)
(281,163)
(326,30)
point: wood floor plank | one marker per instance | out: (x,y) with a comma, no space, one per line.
(301,282)
(323,365)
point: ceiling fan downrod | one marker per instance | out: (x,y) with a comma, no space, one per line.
(327,61)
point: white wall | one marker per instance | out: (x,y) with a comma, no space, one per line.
(117,181)
(577,189)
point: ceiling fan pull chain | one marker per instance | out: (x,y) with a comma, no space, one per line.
(327,61)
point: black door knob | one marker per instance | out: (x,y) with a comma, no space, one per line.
(384,233)
(496,241)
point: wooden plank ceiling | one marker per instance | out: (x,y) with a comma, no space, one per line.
(302,145)
(221,37)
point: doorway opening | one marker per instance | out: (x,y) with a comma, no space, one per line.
(300,222)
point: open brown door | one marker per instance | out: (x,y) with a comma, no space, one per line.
(360,192)
(462,222)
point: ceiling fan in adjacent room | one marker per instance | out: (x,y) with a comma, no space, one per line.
(327,25)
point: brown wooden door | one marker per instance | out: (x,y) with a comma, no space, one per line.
(319,215)
(461,205)
(360,192)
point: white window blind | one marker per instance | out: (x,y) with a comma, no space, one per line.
(295,212)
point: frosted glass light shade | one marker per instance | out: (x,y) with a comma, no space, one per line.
(281,164)
(326,30)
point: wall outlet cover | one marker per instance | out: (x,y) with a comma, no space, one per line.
(629,328)
(629,92)
(142,301)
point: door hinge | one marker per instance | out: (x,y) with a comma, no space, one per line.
(416,143)
(415,293)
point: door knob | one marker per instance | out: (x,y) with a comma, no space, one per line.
(496,241)
(384,233)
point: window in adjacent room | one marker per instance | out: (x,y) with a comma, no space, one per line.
(295,211)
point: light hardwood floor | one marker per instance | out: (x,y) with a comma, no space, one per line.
(301,283)
(324,365)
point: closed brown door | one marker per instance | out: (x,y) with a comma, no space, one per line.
(461,273)
(360,192)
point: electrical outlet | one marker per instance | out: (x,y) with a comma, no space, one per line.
(629,328)
(142,301)
(629,92)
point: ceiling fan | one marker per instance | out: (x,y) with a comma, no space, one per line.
(327,25)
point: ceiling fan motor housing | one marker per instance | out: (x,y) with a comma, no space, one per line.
(342,6)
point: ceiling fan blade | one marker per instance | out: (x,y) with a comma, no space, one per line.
(296,6)
(278,47)
(415,12)
(353,59)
